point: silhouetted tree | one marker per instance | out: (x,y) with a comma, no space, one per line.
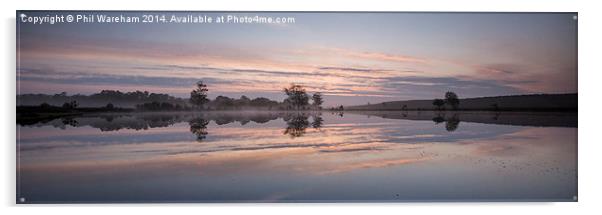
(109,106)
(243,101)
(317,99)
(222,102)
(226,103)
(438,103)
(296,95)
(261,101)
(45,105)
(158,106)
(70,105)
(198,97)
(452,99)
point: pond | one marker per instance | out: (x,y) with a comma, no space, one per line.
(299,157)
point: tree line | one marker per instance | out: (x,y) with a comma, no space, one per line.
(101,99)
(297,98)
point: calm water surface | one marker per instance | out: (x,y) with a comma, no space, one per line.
(291,157)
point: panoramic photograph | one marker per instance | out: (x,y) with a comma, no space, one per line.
(187,107)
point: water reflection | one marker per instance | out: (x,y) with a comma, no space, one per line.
(296,124)
(317,122)
(69,121)
(451,122)
(198,126)
(288,156)
(544,119)
(115,122)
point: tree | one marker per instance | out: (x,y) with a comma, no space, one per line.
(110,106)
(317,98)
(166,106)
(452,99)
(439,103)
(263,102)
(70,105)
(243,101)
(222,102)
(45,105)
(198,97)
(296,95)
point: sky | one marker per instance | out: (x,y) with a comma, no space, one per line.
(352,58)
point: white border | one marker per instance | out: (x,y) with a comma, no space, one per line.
(590,145)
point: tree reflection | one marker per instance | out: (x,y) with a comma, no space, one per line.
(136,122)
(317,123)
(438,119)
(451,123)
(496,116)
(296,125)
(144,121)
(69,121)
(198,126)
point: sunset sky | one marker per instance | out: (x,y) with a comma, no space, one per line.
(353,58)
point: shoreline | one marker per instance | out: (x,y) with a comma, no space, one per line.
(518,118)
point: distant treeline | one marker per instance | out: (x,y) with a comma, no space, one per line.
(115,97)
(297,99)
(226,103)
(221,103)
(138,100)
(45,112)
(161,106)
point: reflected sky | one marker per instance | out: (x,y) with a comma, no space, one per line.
(353,157)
